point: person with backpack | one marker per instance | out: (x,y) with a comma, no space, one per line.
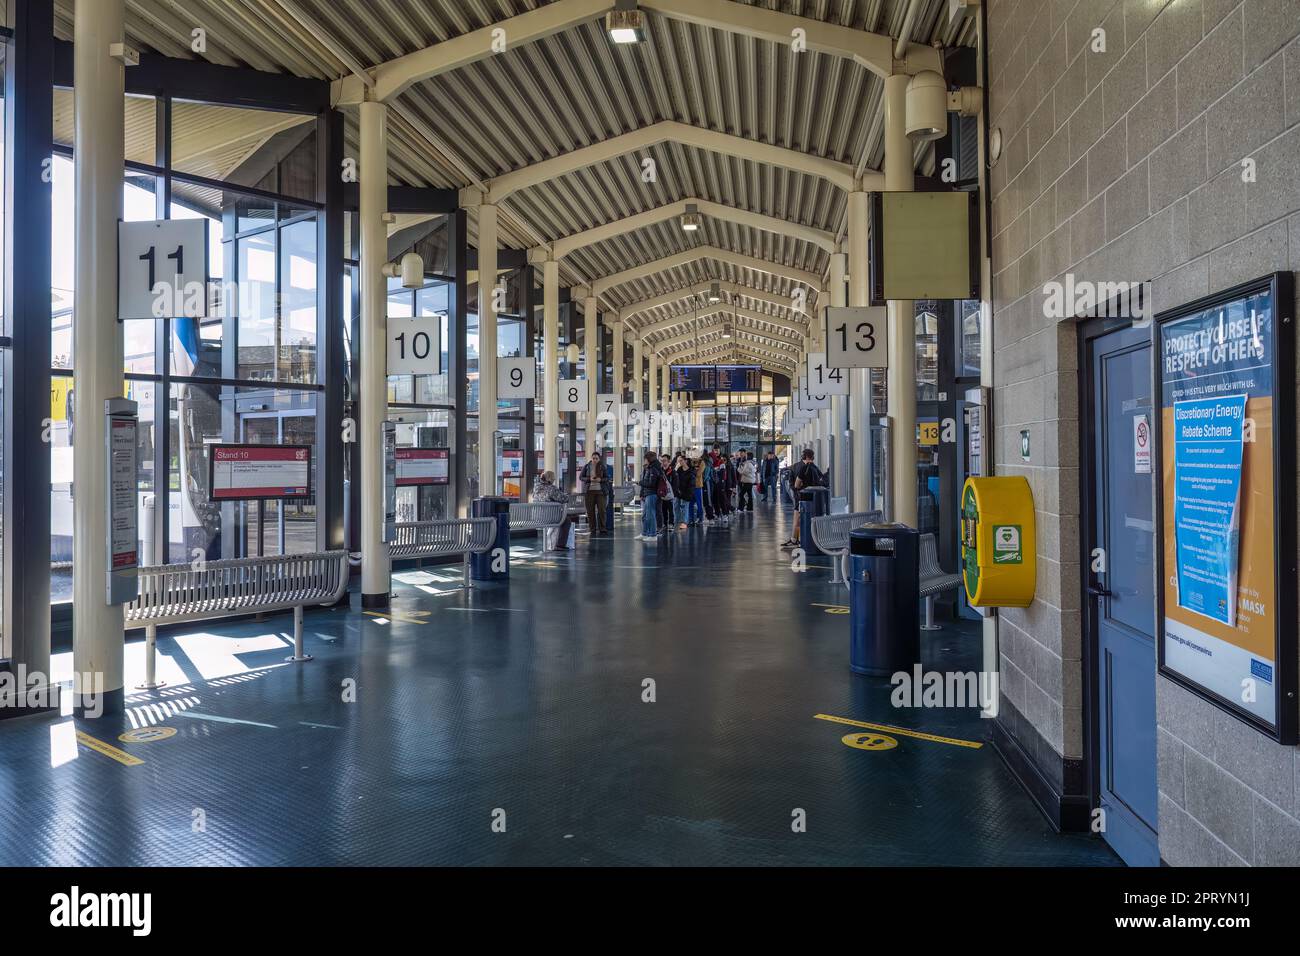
(652,479)
(697,499)
(806,474)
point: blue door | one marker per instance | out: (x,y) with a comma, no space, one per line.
(1120,595)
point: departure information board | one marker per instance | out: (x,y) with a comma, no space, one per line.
(716,378)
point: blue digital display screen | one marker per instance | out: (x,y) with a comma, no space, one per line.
(716,378)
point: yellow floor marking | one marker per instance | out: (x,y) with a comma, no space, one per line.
(861,741)
(834,608)
(886,728)
(405,618)
(108,750)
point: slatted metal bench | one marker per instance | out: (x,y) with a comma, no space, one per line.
(624,495)
(934,580)
(181,593)
(831,534)
(543,517)
(442,538)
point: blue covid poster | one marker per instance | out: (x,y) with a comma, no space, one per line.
(1208,437)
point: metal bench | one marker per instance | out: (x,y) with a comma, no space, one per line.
(181,593)
(444,538)
(624,495)
(543,517)
(934,580)
(831,534)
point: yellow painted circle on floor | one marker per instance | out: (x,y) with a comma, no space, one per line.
(869,741)
(147,735)
(837,610)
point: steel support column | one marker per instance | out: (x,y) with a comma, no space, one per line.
(487,349)
(860,379)
(372,406)
(99,143)
(901,381)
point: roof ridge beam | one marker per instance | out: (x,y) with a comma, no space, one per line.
(394,76)
(841,175)
(694,254)
(559,248)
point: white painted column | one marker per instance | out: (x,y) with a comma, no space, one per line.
(838,293)
(860,379)
(620,432)
(98,638)
(652,402)
(550,365)
(901,382)
(487,349)
(638,398)
(373,404)
(667,403)
(591,360)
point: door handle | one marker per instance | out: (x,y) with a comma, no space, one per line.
(1097,591)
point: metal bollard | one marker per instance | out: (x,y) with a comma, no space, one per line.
(298,655)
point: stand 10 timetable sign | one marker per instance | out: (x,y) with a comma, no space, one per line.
(1225,375)
(250,472)
(121,417)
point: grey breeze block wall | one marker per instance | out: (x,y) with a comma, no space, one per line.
(1127,165)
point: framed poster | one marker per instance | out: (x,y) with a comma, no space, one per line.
(250,472)
(1226,501)
(422,466)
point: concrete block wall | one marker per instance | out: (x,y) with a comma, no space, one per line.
(1127,165)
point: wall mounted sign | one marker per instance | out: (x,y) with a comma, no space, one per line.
(162,269)
(121,419)
(249,472)
(422,466)
(1225,374)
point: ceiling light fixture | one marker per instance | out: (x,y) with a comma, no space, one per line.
(715,293)
(625,24)
(691,219)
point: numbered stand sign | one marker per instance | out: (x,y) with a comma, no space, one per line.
(121,422)
(414,345)
(857,337)
(573,395)
(826,379)
(634,417)
(607,404)
(813,402)
(517,377)
(162,269)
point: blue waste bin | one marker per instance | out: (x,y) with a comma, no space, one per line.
(480,565)
(884,593)
(813,502)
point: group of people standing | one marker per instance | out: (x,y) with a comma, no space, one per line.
(706,489)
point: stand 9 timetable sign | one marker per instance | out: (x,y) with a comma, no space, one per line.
(422,466)
(253,472)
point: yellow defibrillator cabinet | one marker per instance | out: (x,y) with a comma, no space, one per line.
(998,547)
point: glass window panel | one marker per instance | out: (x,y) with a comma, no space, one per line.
(297,299)
(203,414)
(256,306)
(138,113)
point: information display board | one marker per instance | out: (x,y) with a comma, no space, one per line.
(121,417)
(250,472)
(716,378)
(1225,437)
(422,466)
(389,440)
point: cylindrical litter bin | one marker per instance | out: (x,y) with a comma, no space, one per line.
(813,502)
(884,591)
(498,556)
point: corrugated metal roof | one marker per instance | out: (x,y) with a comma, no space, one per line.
(549,97)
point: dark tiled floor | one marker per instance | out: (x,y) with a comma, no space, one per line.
(527,698)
